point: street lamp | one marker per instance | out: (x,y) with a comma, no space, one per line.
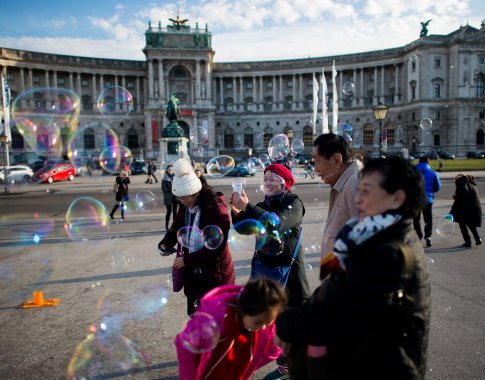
(289,133)
(4,141)
(380,113)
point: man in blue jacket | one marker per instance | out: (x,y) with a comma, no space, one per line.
(432,184)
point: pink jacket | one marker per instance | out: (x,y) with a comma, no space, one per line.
(221,303)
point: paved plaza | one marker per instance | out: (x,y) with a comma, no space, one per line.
(123,283)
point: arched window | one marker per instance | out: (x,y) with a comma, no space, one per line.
(480,85)
(437,90)
(480,137)
(229,138)
(88,137)
(17,139)
(368,134)
(391,138)
(248,137)
(132,139)
(308,136)
(268,135)
(412,89)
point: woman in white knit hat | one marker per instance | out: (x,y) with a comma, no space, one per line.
(205,265)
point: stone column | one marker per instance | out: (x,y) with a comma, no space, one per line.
(376,95)
(293,104)
(300,91)
(123,84)
(161,81)
(139,101)
(275,101)
(71,82)
(241,94)
(383,99)
(221,93)
(261,99)
(22,80)
(396,85)
(148,133)
(234,92)
(78,85)
(254,93)
(355,99)
(101,83)
(150,79)
(197,81)
(94,92)
(31,79)
(208,80)
(54,79)
(47,78)
(361,90)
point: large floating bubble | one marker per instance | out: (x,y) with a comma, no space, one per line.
(426,124)
(115,100)
(201,333)
(297,146)
(212,237)
(115,158)
(219,166)
(87,219)
(145,200)
(278,147)
(190,237)
(252,227)
(103,353)
(45,117)
(199,135)
(264,158)
(270,220)
(256,164)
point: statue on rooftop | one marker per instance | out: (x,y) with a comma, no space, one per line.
(173,109)
(424,28)
(178,22)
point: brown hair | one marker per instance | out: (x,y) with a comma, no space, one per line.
(260,295)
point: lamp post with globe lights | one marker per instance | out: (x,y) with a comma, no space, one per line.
(4,141)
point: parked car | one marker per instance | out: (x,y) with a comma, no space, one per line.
(446,155)
(475,155)
(302,159)
(55,172)
(241,169)
(16,173)
(138,167)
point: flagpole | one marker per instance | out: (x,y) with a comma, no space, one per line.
(335,99)
(324,102)
(6,117)
(315,104)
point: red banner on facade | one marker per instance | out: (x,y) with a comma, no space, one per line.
(154,130)
(186,112)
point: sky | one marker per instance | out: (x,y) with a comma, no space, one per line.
(248,30)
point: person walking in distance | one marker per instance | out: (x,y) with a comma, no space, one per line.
(432,185)
(121,187)
(169,200)
(466,209)
(151,169)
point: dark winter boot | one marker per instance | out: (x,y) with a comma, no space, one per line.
(113,211)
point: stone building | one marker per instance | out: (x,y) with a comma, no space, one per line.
(244,104)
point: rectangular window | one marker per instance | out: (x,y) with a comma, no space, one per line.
(60,81)
(84,83)
(10,77)
(228,86)
(108,84)
(269,85)
(289,83)
(371,77)
(130,85)
(437,115)
(481,60)
(249,85)
(36,79)
(309,83)
(437,63)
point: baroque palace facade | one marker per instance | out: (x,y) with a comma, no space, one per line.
(243,104)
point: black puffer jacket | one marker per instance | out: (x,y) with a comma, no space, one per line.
(290,210)
(355,315)
(467,208)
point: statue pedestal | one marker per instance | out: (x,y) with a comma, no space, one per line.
(171,149)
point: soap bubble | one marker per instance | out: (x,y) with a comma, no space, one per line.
(190,237)
(348,88)
(115,100)
(87,219)
(445,226)
(256,164)
(120,261)
(199,135)
(145,200)
(116,158)
(297,146)
(426,124)
(219,166)
(212,237)
(264,158)
(43,115)
(201,333)
(252,227)
(104,352)
(278,147)
(270,220)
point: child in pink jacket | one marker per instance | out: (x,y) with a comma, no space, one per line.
(245,317)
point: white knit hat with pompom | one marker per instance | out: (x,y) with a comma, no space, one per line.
(185,181)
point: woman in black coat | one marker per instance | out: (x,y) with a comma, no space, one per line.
(169,200)
(121,196)
(370,317)
(467,210)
